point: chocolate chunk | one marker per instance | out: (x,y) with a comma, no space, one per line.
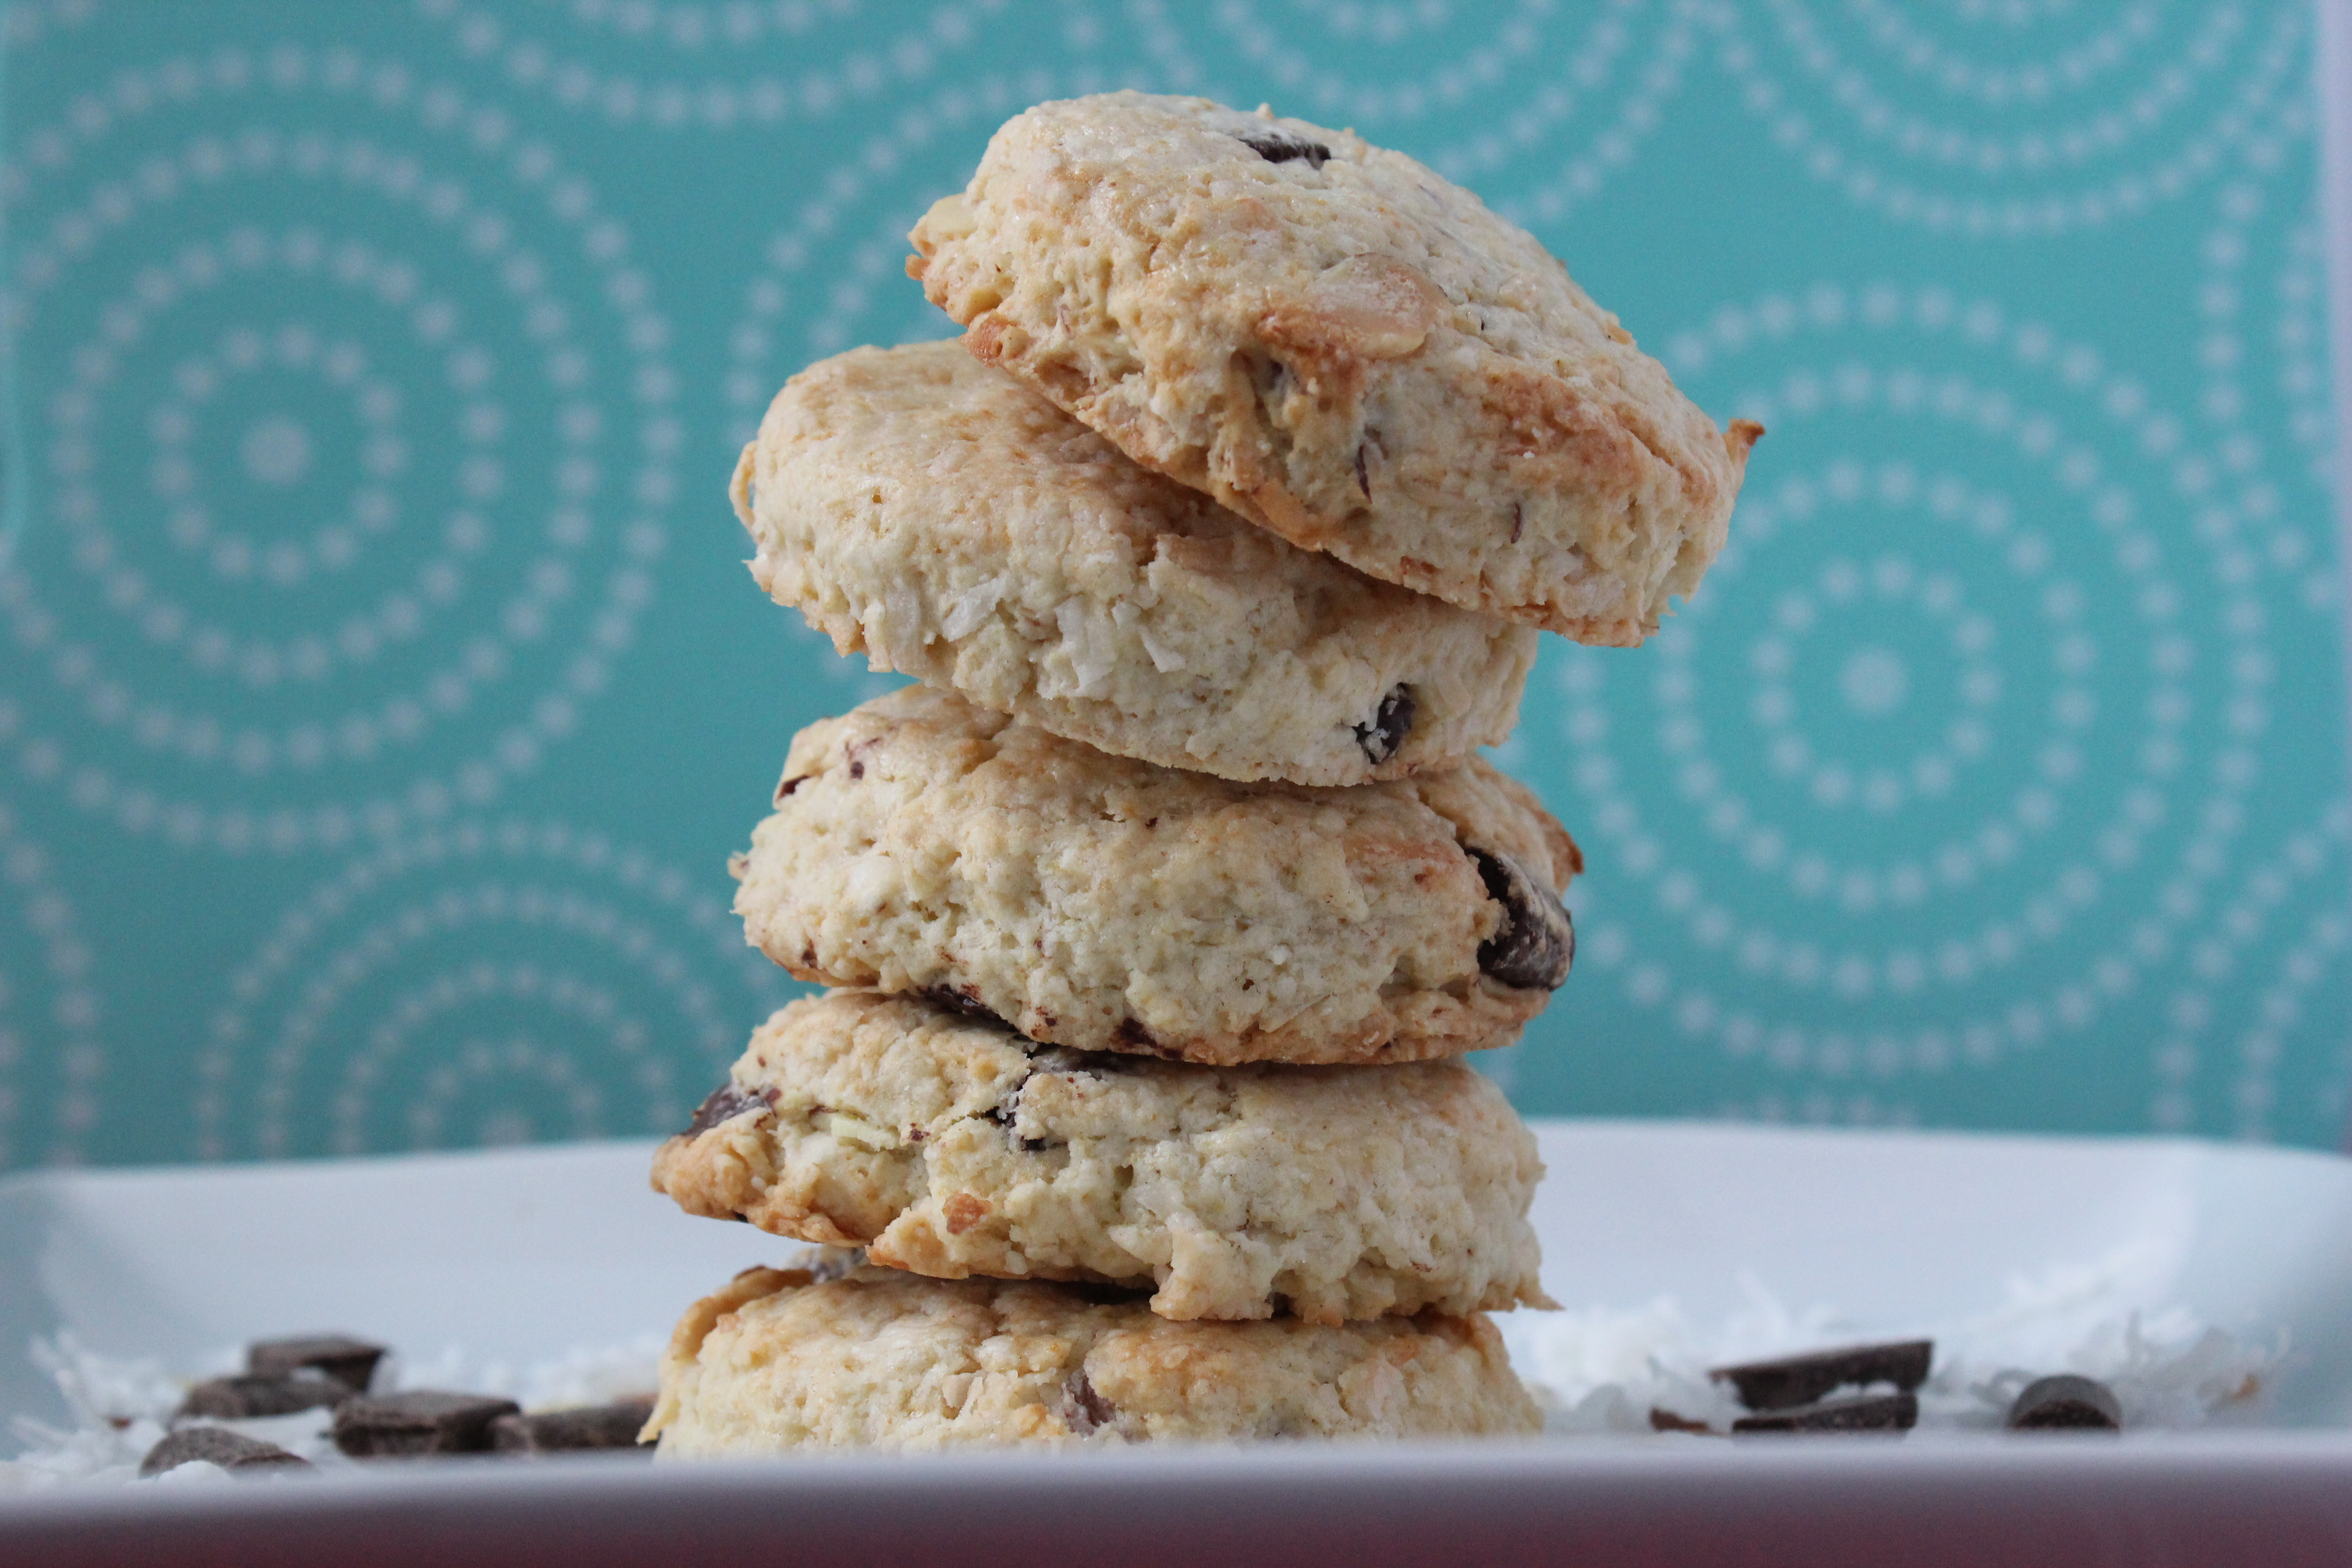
(1390,723)
(1518,522)
(232,1451)
(347,1361)
(614,1425)
(1082,1409)
(1855,1413)
(963,1000)
(1667,1421)
(727,1102)
(1130,1033)
(418,1421)
(784,790)
(1535,943)
(1281,147)
(242,1398)
(1801,1379)
(2065,1403)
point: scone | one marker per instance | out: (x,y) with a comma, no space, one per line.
(1342,346)
(837,1356)
(922,844)
(949,523)
(951,1147)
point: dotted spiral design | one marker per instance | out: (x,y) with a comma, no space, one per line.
(1889,994)
(26,23)
(140,676)
(1534,79)
(49,1009)
(2201,1009)
(2261,307)
(720,67)
(2013,128)
(491,950)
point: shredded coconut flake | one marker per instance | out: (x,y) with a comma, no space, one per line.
(968,609)
(119,1407)
(1089,648)
(1606,1369)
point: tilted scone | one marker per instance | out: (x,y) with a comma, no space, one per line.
(952,1146)
(832,1355)
(944,520)
(1342,346)
(922,844)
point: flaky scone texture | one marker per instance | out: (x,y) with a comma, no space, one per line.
(1342,346)
(951,1147)
(785,1360)
(922,844)
(944,520)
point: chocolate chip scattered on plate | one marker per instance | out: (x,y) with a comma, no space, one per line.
(347,1361)
(575,1430)
(1852,1412)
(1787,1382)
(246,1397)
(232,1451)
(2065,1404)
(416,1423)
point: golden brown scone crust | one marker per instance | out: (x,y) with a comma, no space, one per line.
(941,518)
(922,844)
(952,1147)
(1342,346)
(781,1361)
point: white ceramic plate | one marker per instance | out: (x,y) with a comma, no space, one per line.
(523,1254)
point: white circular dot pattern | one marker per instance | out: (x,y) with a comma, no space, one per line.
(423,617)
(2078,119)
(387,1005)
(375,374)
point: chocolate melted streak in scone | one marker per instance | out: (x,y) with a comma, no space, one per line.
(724,1104)
(1390,725)
(1277,147)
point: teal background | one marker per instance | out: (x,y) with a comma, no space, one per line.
(381,693)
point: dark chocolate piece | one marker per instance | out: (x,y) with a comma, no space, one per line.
(2065,1404)
(726,1103)
(964,1002)
(232,1451)
(1084,1409)
(1281,147)
(614,1425)
(1801,1379)
(418,1421)
(347,1361)
(1390,723)
(1536,944)
(1855,1413)
(242,1398)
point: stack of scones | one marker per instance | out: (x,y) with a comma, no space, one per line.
(1159,917)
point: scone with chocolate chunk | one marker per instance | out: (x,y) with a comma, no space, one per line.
(922,844)
(944,520)
(1342,346)
(952,1146)
(786,1360)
